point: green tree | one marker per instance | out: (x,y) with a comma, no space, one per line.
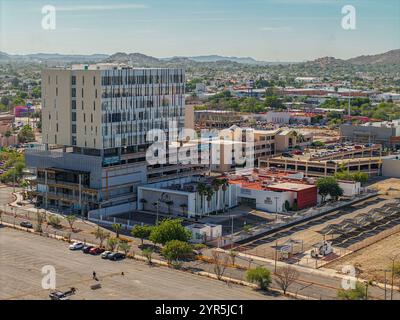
(54,221)
(169,229)
(71,220)
(259,275)
(141,232)
(101,235)
(36,92)
(329,186)
(26,134)
(361,177)
(112,243)
(124,246)
(358,293)
(176,250)
(148,253)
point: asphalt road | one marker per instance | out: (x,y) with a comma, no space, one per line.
(23,255)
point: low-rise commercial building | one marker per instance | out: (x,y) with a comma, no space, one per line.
(386,133)
(321,163)
(190,197)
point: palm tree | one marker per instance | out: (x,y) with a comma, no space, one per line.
(225,184)
(300,138)
(209,194)
(143,202)
(216,185)
(201,190)
(169,204)
(183,207)
(116,227)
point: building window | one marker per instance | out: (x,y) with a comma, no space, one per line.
(73,116)
(73,80)
(73,104)
(73,92)
(74,128)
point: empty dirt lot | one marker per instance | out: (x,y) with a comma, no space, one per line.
(308,231)
(372,259)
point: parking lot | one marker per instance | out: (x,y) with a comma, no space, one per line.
(23,255)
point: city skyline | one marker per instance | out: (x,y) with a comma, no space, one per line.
(289,30)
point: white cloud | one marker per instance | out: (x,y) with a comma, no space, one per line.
(102,7)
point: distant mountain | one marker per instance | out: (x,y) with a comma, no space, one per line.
(52,58)
(205,61)
(132,59)
(390,57)
(215,58)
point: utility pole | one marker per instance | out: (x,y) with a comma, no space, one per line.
(385,284)
(276,254)
(13,180)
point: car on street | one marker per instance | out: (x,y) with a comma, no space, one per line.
(60,295)
(96,250)
(287,155)
(298,152)
(116,256)
(26,224)
(76,246)
(105,254)
(87,248)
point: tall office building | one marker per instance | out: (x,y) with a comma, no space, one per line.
(95,124)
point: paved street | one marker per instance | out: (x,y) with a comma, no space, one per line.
(23,255)
(318,284)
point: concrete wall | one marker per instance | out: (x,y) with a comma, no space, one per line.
(69,161)
(111,211)
(391,167)
(265,200)
(189,116)
(152,195)
(350,188)
(56,106)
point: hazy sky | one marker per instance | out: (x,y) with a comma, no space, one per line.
(284,30)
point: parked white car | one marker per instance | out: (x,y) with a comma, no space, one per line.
(76,246)
(105,254)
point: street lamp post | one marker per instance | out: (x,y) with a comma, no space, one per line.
(232,232)
(393,263)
